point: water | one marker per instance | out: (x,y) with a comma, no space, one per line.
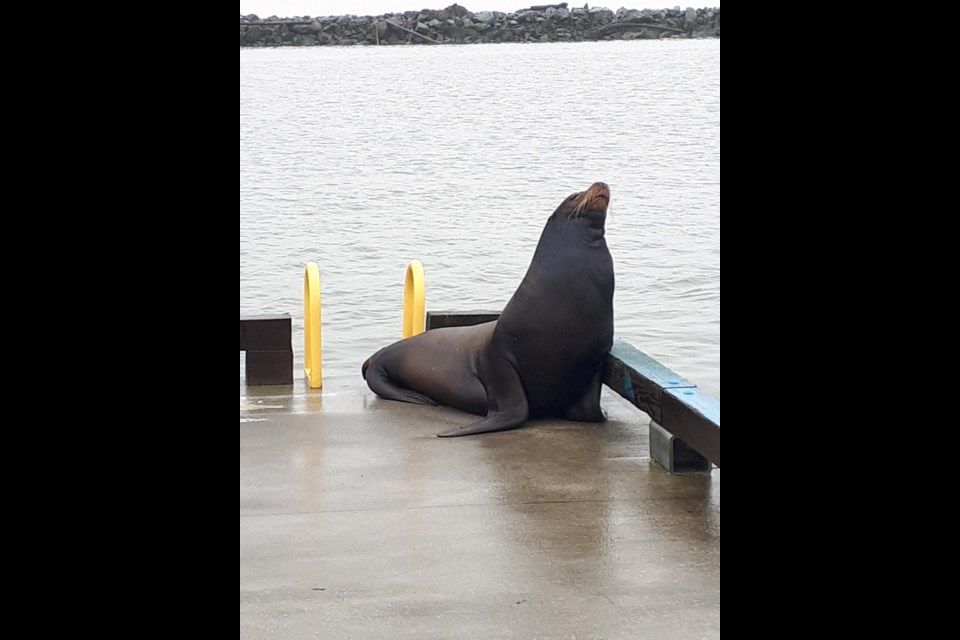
(365,158)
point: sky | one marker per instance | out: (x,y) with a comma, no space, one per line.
(290,8)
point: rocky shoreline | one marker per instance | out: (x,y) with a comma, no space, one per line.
(457,25)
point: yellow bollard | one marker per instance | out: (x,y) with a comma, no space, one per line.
(414,301)
(313,331)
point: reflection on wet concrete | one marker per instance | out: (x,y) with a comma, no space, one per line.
(355,521)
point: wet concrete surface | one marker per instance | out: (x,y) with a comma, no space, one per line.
(357,522)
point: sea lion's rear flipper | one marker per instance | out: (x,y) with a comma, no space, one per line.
(383,386)
(507,401)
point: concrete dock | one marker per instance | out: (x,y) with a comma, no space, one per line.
(357,522)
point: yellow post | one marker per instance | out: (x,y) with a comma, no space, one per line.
(414,301)
(313,333)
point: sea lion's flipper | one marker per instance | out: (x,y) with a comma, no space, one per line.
(508,407)
(383,386)
(490,424)
(587,408)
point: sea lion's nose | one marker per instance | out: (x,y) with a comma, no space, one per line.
(600,189)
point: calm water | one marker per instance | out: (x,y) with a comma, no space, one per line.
(364,158)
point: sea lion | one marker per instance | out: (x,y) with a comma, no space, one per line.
(544,357)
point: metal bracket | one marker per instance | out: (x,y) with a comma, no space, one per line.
(674,455)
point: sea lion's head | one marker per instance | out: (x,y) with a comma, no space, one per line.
(594,202)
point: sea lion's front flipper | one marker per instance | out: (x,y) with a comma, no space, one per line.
(587,408)
(506,399)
